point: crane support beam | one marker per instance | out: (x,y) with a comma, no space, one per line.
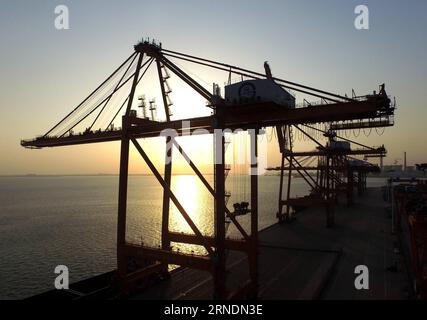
(230,244)
(210,189)
(355,168)
(171,194)
(314,153)
(236,117)
(380,123)
(169,257)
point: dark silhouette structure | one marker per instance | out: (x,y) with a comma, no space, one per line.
(369,110)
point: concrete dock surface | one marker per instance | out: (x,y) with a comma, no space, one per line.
(305,260)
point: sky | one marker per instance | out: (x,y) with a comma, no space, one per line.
(46,72)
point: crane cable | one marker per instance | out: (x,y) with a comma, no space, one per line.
(109,92)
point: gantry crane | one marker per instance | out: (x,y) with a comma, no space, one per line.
(336,171)
(251,116)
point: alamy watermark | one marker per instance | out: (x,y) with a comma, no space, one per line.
(241,157)
(62,281)
(361,282)
(62,17)
(361,22)
(255,154)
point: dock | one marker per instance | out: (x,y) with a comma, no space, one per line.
(305,260)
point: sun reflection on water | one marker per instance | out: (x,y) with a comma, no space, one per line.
(198,203)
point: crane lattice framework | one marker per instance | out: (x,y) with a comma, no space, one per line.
(103,103)
(336,172)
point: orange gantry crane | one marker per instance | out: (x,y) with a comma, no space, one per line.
(115,97)
(336,171)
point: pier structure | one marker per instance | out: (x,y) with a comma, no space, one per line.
(138,262)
